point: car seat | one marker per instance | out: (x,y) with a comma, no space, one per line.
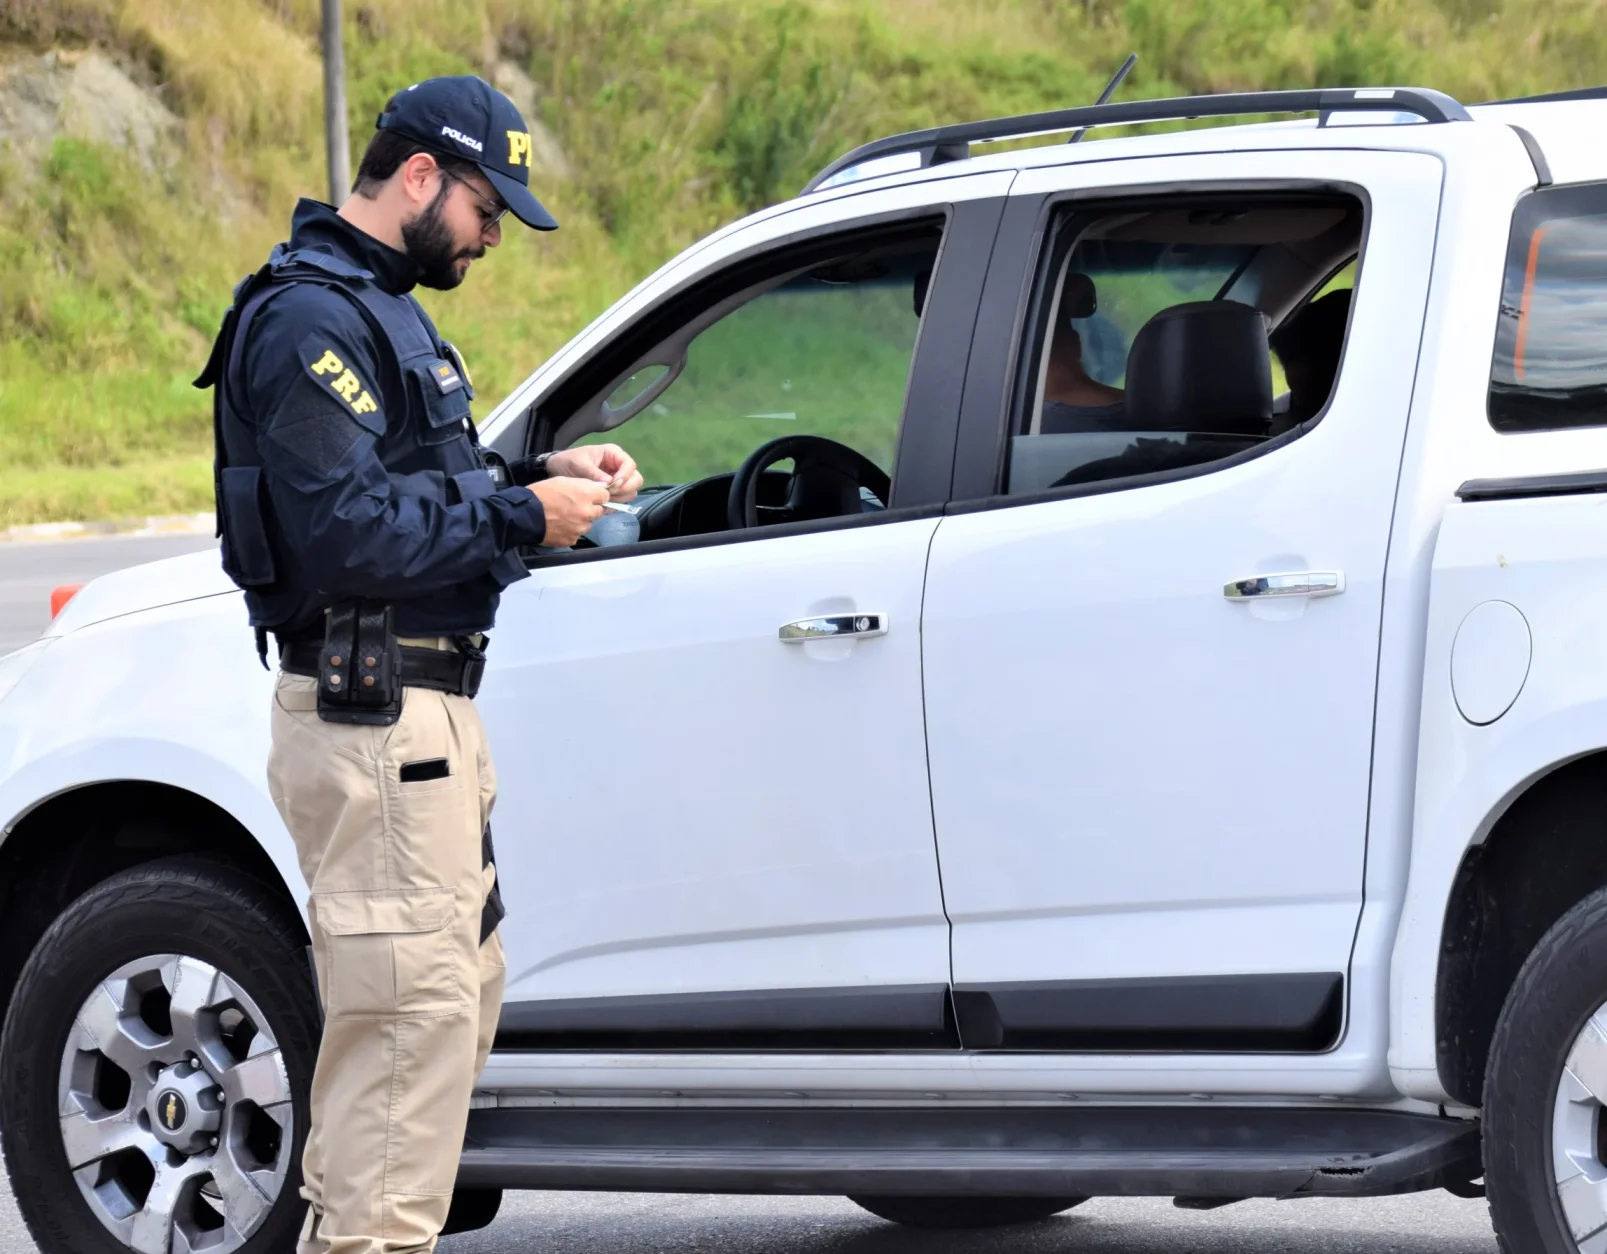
(1203,367)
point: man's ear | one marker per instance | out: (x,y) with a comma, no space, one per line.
(417,178)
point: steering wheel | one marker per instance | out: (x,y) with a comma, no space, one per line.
(826,479)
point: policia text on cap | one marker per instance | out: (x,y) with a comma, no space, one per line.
(358,513)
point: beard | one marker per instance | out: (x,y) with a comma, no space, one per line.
(431,245)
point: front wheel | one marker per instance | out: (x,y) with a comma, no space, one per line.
(965,1212)
(156,1063)
(1545,1094)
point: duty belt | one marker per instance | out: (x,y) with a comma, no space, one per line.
(457,673)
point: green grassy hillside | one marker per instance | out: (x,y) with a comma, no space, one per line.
(675,115)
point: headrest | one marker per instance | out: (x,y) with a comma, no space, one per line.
(1201,367)
(1078,296)
(1317,330)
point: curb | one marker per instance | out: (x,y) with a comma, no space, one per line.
(165,525)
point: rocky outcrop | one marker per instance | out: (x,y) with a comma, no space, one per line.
(80,95)
(546,154)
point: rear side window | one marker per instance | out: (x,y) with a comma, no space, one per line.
(1550,370)
(1177,331)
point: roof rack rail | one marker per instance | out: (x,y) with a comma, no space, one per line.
(952,143)
(1582,93)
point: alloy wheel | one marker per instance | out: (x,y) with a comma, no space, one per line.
(1579,1137)
(176,1111)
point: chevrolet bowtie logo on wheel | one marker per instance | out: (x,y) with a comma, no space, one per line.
(173,1112)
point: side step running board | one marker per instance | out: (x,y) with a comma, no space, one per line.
(1215,1151)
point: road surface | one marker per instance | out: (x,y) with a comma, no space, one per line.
(580,1223)
(641,1223)
(28,572)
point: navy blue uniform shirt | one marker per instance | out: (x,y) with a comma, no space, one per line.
(360,498)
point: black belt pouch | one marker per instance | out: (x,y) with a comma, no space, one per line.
(360,669)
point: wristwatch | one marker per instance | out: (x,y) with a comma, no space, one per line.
(522,471)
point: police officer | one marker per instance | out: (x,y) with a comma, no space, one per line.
(372,536)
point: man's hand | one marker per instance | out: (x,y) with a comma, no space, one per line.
(571,506)
(607,464)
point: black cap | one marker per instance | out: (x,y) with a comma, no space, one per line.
(466,117)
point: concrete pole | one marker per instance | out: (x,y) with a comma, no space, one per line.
(337,146)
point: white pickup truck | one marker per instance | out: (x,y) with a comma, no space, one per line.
(1107,696)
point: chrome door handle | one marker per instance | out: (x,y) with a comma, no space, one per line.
(831,626)
(1304,583)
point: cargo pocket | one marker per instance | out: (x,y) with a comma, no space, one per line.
(443,398)
(471,485)
(389,953)
(247,559)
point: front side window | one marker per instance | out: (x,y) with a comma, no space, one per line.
(819,354)
(1550,368)
(826,354)
(1179,333)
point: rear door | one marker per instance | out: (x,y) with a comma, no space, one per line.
(1151,654)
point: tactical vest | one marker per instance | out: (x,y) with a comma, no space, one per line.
(425,437)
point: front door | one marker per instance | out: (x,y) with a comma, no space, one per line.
(714,828)
(717,837)
(1151,652)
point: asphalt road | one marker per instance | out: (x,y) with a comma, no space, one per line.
(644,1223)
(581,1223)
(28,573)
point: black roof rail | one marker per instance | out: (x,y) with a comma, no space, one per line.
(1582,93)
(952,143)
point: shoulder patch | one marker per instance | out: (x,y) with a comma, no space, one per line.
(327,366)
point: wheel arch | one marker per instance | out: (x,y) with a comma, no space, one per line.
(1545,853)
(69,842)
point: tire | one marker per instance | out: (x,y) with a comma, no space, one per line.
(964,1212)
(173,963)
(1530,1104)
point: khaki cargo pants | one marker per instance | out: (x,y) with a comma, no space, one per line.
(411,996)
